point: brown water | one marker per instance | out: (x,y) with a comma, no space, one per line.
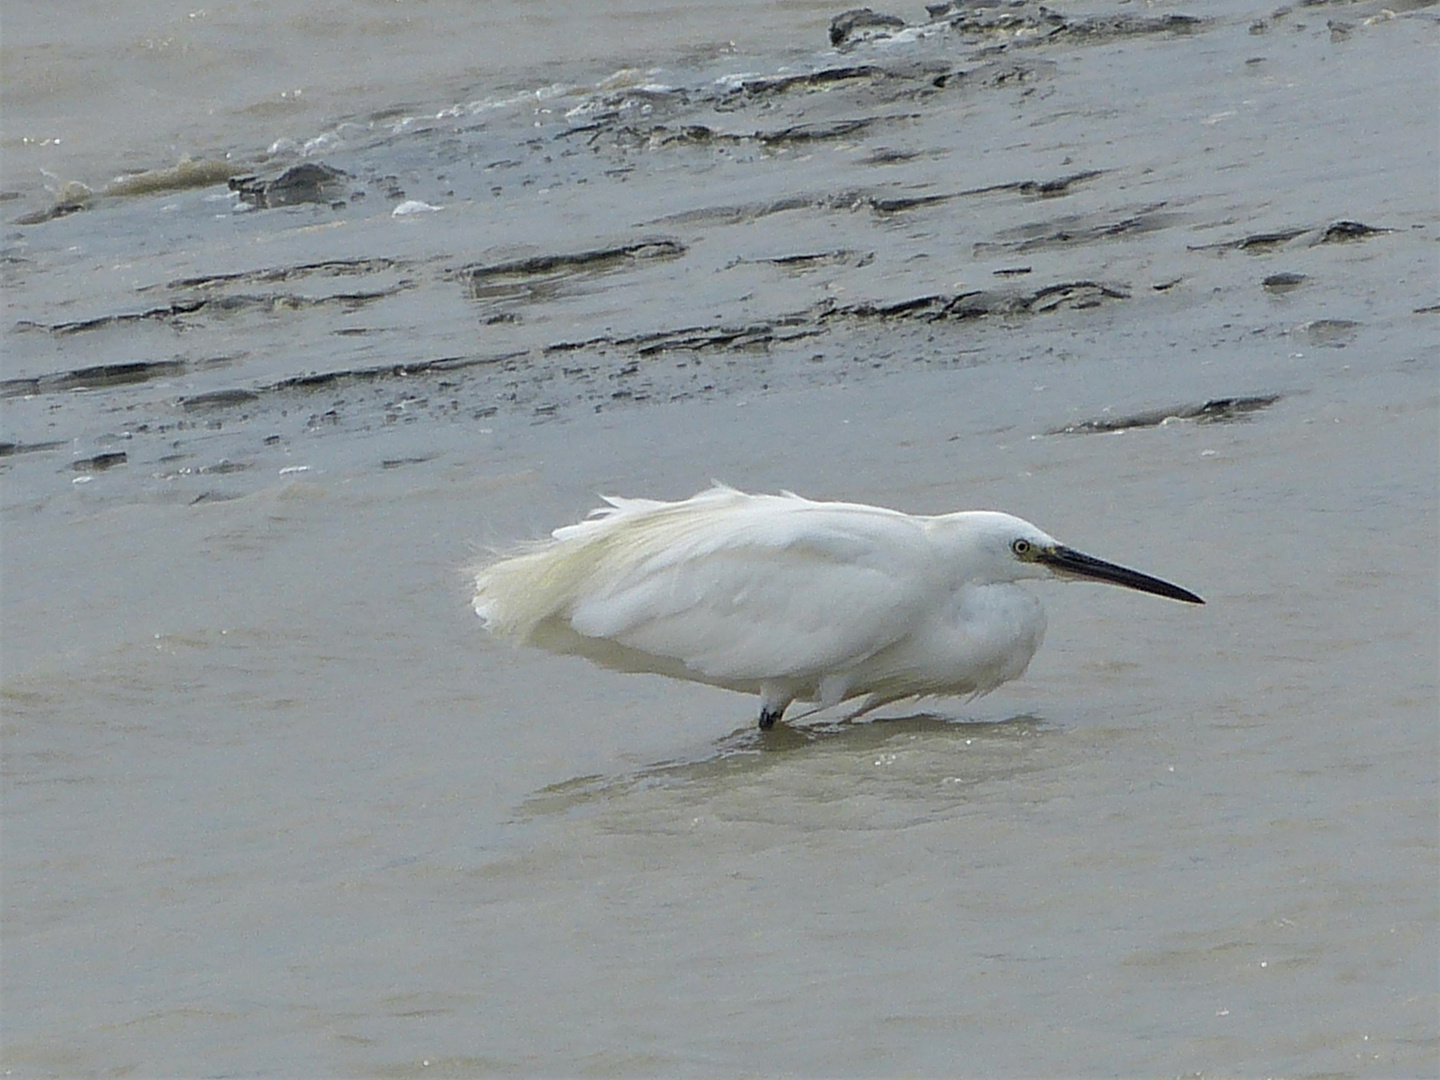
(274,805)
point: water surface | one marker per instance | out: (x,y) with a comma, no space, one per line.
(275,805)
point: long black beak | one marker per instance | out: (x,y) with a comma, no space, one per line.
(1065,560)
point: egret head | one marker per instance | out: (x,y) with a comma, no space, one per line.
(1033,547)
(1015,549)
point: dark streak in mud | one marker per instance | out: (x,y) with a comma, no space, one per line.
(400,463)
(1060,185)
(1074,295)
(835,129)
(694,338)
(596,259)
(1214,411)
(8,449)
(101,462)
(1338,232)
(330,267)
(176,310)
(387,371)
(896,204)
(92,378)
(1079,229)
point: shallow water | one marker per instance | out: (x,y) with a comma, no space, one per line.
(274,805)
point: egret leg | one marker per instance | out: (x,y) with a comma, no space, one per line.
(769,716)
(775,698)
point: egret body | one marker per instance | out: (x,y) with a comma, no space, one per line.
(791,599)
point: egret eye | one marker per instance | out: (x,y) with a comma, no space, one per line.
(1021,548)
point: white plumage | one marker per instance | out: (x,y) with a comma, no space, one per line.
(790,599)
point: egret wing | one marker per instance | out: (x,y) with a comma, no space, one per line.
(773,587)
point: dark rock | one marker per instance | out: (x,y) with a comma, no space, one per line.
(1283,282)
(100,462)
(1344,231)
(861,24)
(312,182)
(1216,410)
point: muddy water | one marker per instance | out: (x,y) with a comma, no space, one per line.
(273,805)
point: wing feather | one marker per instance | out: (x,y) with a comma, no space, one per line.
(736,587)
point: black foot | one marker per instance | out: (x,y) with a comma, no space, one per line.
(768,718)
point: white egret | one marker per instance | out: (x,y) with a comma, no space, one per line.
(791,599)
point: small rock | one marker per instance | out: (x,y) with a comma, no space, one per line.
(1283,282)
(862,24)
(1342,231)
(100,462)
(310,182)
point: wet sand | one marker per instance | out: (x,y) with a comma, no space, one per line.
(274,805)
